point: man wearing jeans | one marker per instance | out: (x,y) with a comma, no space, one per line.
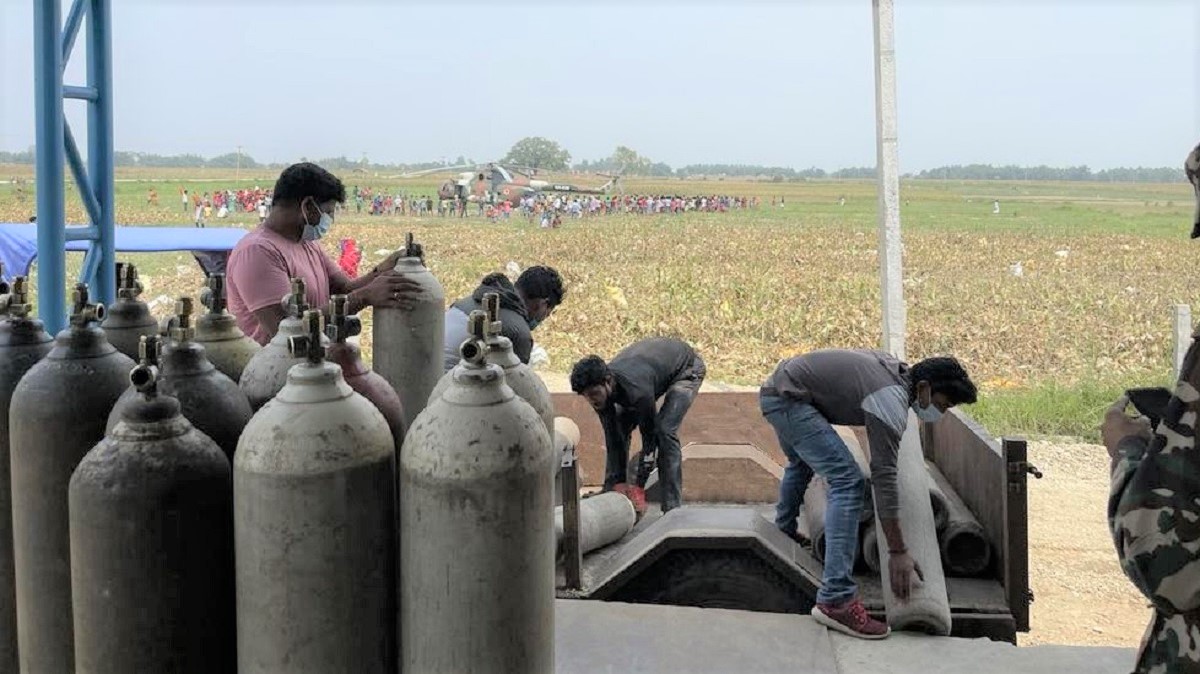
(624,394)
(802,399)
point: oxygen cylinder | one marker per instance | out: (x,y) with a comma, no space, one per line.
(267,371)
(477,527)
(366,383)
(128,318)
(58,413)
(408,343)
(520,377)
(23,342)
(314,503)
(226,346)
(210,401)
(151,510)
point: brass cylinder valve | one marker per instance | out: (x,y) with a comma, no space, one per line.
(183,329)
(308,345)
(213,294)
(342,325)
(128,285)
(491,305)
(144,375)
(473,349)
(294,303)
(82,311)
(15,300)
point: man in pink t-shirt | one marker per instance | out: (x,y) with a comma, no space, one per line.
(284,246)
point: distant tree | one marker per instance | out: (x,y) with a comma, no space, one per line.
(231,160)
(539,153)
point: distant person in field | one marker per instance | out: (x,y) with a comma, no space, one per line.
(285,245)
(152,197)
(183,196)
(523,307)
(802,400)
(625,394)
(996,207)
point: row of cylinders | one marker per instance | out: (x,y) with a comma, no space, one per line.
(188,523)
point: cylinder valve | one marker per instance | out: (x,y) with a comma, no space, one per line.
(83,311)
(342,326)
(308,345)
(213,294)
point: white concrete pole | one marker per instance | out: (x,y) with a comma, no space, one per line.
(1181,333)
(891,266)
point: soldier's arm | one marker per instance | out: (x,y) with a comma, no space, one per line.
(1154,507)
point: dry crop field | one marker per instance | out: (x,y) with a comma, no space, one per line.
(1086,314)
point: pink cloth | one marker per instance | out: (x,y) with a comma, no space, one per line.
(259,274)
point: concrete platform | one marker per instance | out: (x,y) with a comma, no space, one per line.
(597,636)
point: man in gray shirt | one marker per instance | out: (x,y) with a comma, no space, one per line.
(803,399)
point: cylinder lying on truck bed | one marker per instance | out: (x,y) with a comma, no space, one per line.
(227,347)
(58,413)
(152,542)
(23,342)
(407,343)
(314,496)
(209,400)
(128,318)
(476,527)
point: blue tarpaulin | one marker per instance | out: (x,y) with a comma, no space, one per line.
(210,245)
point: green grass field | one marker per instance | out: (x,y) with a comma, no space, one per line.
(1090,314)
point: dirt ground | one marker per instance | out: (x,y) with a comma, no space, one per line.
(1081,597)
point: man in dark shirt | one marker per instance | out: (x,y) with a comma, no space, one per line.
(802,399)
(625,392)
(523,307)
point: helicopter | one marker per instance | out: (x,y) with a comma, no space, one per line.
(494,183)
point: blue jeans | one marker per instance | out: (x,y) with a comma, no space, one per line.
(811,444)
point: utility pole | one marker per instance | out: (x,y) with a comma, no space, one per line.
(238,174)
(891,267)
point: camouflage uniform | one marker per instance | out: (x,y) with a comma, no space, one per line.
(1154,515)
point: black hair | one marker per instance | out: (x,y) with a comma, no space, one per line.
(946,376)
(540,282)
(306,179)
(587,373)
(498,279)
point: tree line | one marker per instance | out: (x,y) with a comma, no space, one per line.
(542,154)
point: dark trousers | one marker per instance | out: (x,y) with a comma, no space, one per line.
(675,404)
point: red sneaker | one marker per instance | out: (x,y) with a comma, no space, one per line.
(850,618)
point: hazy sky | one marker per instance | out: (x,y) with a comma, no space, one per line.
(780,83)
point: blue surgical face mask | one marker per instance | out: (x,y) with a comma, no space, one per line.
(929,415)
(314,232)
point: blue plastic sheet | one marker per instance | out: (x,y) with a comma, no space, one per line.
(209,245)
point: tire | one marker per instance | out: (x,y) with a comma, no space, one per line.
(730,579)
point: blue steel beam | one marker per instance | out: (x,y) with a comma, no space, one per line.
(81,93)
(82,233)
(103,280)
(51,215)
(90,204)
(71,30)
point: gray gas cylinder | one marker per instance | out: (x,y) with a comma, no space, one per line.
(128,318)
(151,511)
(477,528)
(58,413)
(407,344)
(520,377)
(314,502)
(267,371)
(23,342)
(370,385)
(226,346)
(210,401)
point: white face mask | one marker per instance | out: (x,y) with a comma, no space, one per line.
(929,415)
(314,232)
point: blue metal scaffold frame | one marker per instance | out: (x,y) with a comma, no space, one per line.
(53,44)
